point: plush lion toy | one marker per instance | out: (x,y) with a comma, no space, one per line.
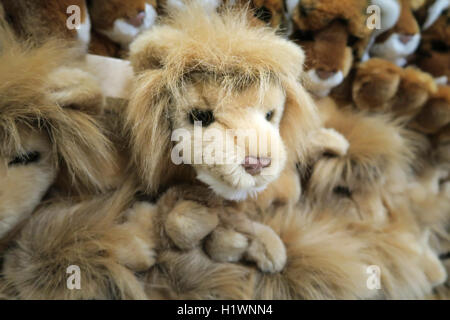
(203,82)
(401,41)
(105,27)
(115,24)
(334,35)
(39,20)
(47,122)
(226,83)
(272,13)
(420,95)
(344,227)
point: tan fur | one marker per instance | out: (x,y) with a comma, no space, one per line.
(379,155)
(43,109)
(100,236)
(435,115)
(381,85)
(318,248)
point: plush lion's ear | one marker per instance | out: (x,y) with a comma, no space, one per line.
(300,118)
(148,125)
(148,51)
(77,89)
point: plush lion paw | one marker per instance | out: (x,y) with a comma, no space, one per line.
(435,115)
(190,222)
(380,85)
(254,242)
(267,250)
(188,214)
(328,140)
(226,245)
(433,267)
(136,238)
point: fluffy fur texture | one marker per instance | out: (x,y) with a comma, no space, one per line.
(378,157)
(45,125)
(383,86)
(408,93)
(366,204)
(101,236)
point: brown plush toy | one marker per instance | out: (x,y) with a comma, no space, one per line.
(403,39)
(38,20)
(334,34)
(116,23)
(435,115)
(383,86)
(272,13)
(433,55)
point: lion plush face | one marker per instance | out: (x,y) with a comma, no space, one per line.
(329,31)
(400,41)
(121,21)
(334,34)
(240,134)
(25,177)
(239,81)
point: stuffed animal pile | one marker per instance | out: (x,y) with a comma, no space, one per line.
(265,149)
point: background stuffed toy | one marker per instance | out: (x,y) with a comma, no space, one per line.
(37,21)
(433,54)
(45,119)
(335,35)
(106,27)
(115,24)
(401,41)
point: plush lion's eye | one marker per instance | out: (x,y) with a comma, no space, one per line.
(351,40)
(342,191)
(24,159)
(205,116)
(263,14)
(269,115)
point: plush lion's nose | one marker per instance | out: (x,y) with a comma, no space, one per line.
(405,38)
(324,75)
(254,165)
(138,20)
